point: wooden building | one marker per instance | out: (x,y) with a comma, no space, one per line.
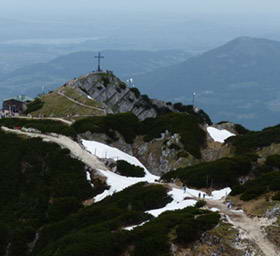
(16,105)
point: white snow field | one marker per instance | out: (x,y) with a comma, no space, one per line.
(219,135)
(183,199)
(118,183)
(104,151)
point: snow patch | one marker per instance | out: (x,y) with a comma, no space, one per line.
(178,202)
(219,135)
(135,226)
(116,182)
(104,151)
(214,209)
(184,198)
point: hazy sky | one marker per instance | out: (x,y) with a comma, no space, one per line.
(144,5)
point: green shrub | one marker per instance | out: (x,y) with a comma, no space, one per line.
(253,193)
(241,130)
(200,114)
(34,106)
(251,141)
(121,209)
(4,238)
(187,231)
(208,221)
(200,203)
(136,92)
(33,174)
(62,207)
(273,161)
(126,124)
(263,184)
(193,137)
(126,169)
(45,126)
(276,197)
(218,174)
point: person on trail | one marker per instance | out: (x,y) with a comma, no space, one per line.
(199,195)
(204,195)
(185,188)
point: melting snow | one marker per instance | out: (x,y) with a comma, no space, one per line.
(219,135)
(135,226)
(116,182)
(104,151)
(181,198)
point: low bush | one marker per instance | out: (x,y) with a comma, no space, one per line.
(136,92)
(263,184)
(121,209)
(200,204)
(193,137)
(241,130)
(276,197)
(126,169)
(35,176)
(273,161)
(200,114)
(251,141)
(218,174)
(34,106)
(45,126)
(61,207)
(126,124)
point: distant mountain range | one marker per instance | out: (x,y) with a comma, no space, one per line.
(239,81)
(30,79)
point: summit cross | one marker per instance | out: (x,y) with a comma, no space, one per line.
(99,57)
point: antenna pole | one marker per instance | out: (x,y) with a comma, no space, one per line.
(193,101)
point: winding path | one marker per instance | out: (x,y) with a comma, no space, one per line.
(80,103)
(75,148)
(251,228)
(45,118)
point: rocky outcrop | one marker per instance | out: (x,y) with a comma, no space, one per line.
(224,240)
(106,88)
(159,155)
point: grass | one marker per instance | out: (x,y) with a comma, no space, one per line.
(58,106)
(72,93)
(224,230)
(256,207)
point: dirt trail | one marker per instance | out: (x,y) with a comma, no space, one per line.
(80,103)
(76,149)
(46,118)
(251,228)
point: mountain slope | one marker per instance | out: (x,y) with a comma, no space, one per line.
(233,82)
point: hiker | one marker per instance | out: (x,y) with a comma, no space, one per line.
(204,195)
(185,188)
(199,195)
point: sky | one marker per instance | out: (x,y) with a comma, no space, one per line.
(205,6)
